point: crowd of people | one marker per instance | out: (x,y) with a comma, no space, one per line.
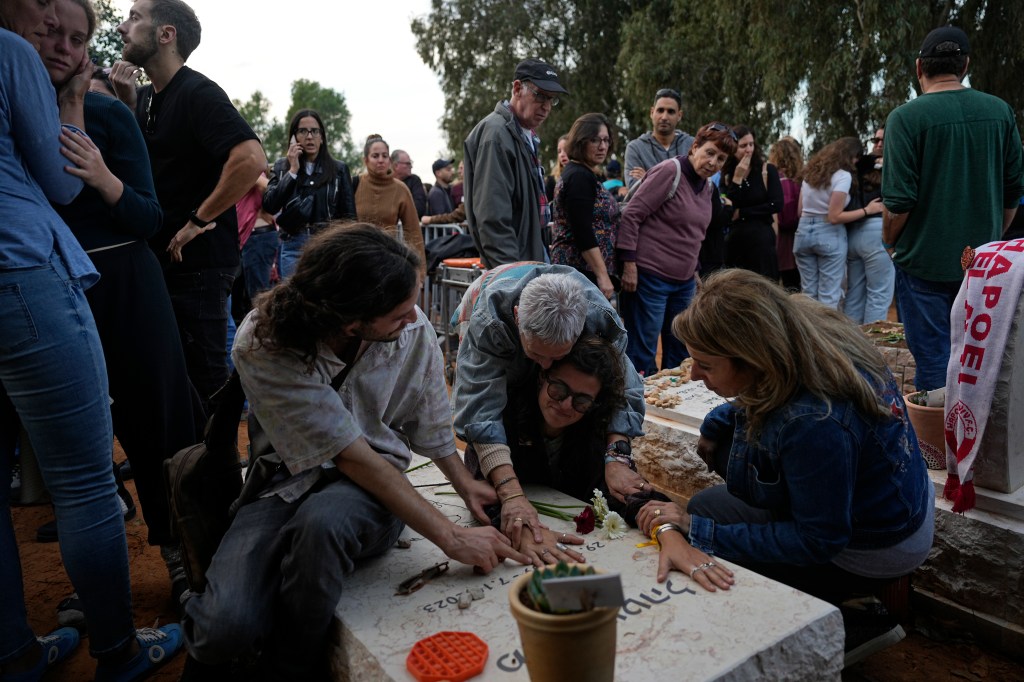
(130,215)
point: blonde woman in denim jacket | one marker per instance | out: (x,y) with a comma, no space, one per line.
(826,489)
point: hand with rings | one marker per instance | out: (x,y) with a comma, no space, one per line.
(553,548)
(676,553)
(655,513)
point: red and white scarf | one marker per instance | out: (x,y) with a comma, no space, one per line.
(980,324)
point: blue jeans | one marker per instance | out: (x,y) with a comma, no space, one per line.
(200,301)
(819,248)
(291,249)
(650,310)
(278,575)
(870,274)
(258,256)
(924,308)
(54,384)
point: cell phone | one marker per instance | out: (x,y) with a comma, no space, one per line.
(292,141)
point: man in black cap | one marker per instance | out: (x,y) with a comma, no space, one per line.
(505,202)
(439,201)
(952,178)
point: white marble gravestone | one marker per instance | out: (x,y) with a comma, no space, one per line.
(673,631)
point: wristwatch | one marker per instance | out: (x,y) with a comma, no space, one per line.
(197,221)
(621,452)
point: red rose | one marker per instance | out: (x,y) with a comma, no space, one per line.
(586,520)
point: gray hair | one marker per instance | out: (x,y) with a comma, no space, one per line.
(553,309)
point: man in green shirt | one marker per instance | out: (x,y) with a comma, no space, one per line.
(952,178)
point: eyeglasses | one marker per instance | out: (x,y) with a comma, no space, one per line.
(606,141)
(539,97)
(668,92)
(307,132)
(722,128)
(559,390)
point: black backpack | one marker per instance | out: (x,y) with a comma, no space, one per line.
(203,481)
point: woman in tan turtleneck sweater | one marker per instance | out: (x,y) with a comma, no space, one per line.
(382,200)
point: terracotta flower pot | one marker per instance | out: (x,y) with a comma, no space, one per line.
(928,423)
(575,646)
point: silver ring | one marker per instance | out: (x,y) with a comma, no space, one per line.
(707,565)
(561,547)
(563,536)
(642,485)
(519,519)
(657,512)
(545,552)
(695,569)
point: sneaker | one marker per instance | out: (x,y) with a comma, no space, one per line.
(157,646)
(126,471)
(869,629)
(56,646)
(47,532)
(70,613)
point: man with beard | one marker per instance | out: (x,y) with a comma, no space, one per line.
(345,380)
(205,157)
(664,142)
(505,201)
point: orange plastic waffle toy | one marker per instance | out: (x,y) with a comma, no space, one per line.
(454,656)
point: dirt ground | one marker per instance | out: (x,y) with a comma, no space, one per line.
(918,657)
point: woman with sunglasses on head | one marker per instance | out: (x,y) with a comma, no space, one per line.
(660,235)
(383,200)
(308,188)
(556,422)
(585,214)
(755,197)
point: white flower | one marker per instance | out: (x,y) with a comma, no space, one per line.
(600,505)
(614,526)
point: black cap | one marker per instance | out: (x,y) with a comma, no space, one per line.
(945,34)
(441,163)
(614,166)
(541,74)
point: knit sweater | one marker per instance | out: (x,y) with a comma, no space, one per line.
(383,201)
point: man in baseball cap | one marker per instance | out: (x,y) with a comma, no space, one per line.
(504,179)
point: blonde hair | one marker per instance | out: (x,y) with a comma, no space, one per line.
(786,342)
(788,157)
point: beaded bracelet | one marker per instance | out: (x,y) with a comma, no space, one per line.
(505,480)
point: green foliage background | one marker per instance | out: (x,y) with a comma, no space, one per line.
(843,64)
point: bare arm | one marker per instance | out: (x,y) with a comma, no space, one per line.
(484,547)
(893,224)
(1008,215)
(244,164)
(837,216)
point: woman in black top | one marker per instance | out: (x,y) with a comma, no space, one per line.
(556,421)
(585,214)
(308,187)
(755,195)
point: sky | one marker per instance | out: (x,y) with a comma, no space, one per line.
(364,50)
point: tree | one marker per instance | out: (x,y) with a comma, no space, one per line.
(306,94)
(333,109)
(256,111)
(106,41)
(474,47)
(841,64)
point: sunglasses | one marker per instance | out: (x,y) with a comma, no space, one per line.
(722,128)
(559,390)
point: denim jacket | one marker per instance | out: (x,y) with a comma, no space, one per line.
(491,359)
(831,478)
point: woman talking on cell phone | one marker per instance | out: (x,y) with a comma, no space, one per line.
(308,187)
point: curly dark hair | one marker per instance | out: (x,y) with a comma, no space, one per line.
(347,273)
(599,358)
